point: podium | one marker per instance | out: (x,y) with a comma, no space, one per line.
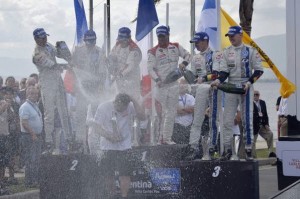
(288,161)
(160,172)
(69,176)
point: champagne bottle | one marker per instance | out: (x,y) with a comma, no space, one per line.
(115,127)
(63,51)
(189,76)
(232,88)
(173,76)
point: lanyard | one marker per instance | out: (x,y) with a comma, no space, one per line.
(183,101)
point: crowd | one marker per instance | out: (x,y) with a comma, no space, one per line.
(39,116)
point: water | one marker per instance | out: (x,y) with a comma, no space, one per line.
(269,92)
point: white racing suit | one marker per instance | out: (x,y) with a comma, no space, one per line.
(89,66)
(241,64)
(206,66)
(126,72)
(126,63)
(52,90)
(162,61)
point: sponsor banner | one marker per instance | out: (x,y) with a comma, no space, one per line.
(155,181)
(291,163)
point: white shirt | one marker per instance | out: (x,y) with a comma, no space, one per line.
(185,100)
(104,116)
(283,107)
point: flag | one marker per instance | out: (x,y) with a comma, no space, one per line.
(146,20)
(145,45)
(81,28)
(286,87)
(208,22)
(81,23)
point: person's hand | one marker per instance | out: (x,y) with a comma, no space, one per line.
(182,66)
(181,111)
(215,83)
(246,87)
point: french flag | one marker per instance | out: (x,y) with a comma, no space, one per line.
(146,20)
(81,23)
(81,28)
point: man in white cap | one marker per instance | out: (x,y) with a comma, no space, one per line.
(90,69)
(162,60)
(52,87)
(205,65)
(242,66)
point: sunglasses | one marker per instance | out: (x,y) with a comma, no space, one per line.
(256,94)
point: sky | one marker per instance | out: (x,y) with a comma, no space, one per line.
(19,18)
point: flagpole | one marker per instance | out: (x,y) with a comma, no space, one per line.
(105,30)
(91,14)
(108,25)
(192,24)
(218,6)
(167,14)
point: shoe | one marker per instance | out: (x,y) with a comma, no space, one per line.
(272,155)
(226,155)
(206,157)
(210,154)
(234,157)
(169,142)
(249,154)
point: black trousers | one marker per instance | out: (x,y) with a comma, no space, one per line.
(181,134)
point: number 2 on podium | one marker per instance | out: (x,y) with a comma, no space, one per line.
(74,164)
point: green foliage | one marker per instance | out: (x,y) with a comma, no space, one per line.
(20,187)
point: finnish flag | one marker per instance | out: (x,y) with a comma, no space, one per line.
(208,22)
